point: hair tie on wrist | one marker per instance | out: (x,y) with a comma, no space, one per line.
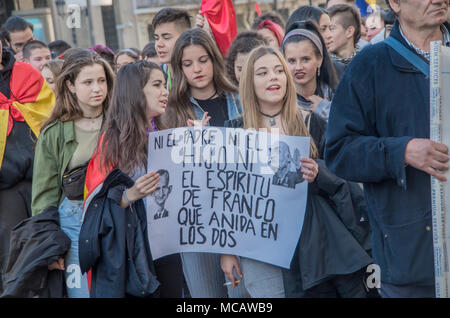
(126,197)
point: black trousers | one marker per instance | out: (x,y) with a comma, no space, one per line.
(170,275)
(15,206)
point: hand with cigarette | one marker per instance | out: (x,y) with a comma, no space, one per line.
(228,263)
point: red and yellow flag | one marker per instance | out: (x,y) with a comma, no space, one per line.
(32,101)
(95,175)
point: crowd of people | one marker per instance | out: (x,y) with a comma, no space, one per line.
(72,119)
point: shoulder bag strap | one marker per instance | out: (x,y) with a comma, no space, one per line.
(412,58)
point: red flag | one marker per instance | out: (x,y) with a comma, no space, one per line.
(258,9)
(222,20)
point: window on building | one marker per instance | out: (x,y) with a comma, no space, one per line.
(40,4)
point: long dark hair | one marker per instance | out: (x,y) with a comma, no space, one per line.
(244,43)
(125,142)
(305,13)
(327,72)
(179,107)
(66,106)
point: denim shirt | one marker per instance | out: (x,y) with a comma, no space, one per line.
(233,105)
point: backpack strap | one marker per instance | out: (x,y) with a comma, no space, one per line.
(412,58)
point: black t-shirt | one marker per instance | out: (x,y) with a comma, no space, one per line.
(216,108)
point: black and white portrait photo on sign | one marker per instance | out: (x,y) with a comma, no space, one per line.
(230,191)
(285,166)
(161,194)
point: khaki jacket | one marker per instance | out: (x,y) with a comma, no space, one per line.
(54,149)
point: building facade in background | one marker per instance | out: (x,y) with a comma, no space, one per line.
(119,23)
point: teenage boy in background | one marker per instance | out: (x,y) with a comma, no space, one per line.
(168,24)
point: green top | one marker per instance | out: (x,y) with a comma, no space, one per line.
(87,142)
(54,149)
(169,79)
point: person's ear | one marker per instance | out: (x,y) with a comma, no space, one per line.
(349,33)
(170,189)
(395,5)
(320,61)
(70,86)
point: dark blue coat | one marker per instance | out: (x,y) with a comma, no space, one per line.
(381,103)
(113,243)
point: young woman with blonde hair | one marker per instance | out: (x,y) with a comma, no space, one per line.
(269,101)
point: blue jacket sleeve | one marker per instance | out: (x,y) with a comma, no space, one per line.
(354,149)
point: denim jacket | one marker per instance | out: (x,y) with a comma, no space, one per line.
(233,105)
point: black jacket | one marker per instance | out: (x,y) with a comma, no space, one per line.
(113,243)
(335,238)
(36,243)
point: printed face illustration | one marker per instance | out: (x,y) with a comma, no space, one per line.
(162,192)
(280,157)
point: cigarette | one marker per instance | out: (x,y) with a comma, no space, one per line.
(229,283)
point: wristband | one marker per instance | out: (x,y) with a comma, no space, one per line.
(126,197)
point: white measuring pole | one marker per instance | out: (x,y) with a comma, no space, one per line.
(440,132)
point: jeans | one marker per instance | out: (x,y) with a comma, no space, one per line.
(70,213)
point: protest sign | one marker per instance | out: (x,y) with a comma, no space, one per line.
(440,191)
(225,190)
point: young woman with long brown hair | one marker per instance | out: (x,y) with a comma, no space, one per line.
(65,145)
(136,108)
(200,84)
(201,92)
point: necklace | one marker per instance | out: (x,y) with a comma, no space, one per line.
(215,93)
(94,117)
(272,117)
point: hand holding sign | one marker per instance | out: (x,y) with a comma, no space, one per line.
(310,169)
(143,186)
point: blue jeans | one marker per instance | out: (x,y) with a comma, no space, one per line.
(70,213)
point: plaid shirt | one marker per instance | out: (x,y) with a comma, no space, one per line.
(346,60)
(422,52)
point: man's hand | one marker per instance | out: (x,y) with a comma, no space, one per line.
(201,22)
(19,57)
(428,156)
(59,264)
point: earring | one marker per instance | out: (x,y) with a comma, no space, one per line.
(318,72)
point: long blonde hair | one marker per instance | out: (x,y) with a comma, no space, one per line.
(290,113)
